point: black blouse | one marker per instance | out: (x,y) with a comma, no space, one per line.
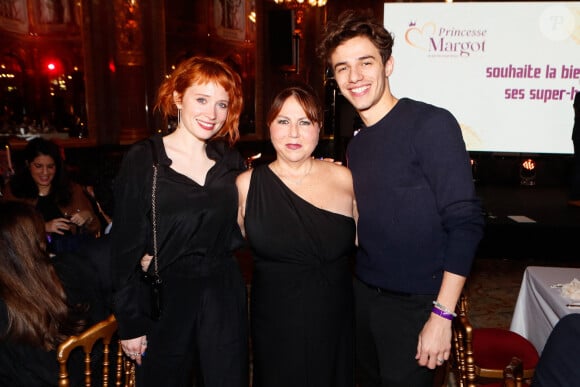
(193,220)
(46,205)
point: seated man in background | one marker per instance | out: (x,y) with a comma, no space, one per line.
(97,252)
(96,176)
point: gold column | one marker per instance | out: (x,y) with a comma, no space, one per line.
(130,71)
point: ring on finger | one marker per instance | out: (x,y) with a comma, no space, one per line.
(440,361)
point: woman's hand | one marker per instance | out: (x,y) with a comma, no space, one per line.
(330,160)
(57,226)
(81,217)
(135,348)
(146,261)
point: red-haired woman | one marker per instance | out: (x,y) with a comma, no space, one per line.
(203,296)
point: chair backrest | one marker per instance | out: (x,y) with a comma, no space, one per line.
(513,374)
(462,361)
(105,333)
(475,360)
(6,168)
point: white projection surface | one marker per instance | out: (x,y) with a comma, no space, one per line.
(508,71)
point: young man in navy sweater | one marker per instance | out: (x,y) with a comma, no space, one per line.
(419,218)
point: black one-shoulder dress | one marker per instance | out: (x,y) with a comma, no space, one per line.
(301,295)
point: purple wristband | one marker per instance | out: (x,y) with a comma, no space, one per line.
(442,313)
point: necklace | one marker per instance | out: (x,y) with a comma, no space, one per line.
(43,192)
(294,180)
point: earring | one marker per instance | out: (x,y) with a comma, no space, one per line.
(178,116)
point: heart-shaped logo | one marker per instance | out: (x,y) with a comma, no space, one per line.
(419,37)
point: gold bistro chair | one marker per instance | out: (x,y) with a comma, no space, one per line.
(105,332)
(485,356)
(513,374)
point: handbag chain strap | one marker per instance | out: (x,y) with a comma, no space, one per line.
(154,219)
(154,207)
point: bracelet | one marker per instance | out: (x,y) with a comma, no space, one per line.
(442,313)
(443,308)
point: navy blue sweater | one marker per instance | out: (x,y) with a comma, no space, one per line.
(418,212)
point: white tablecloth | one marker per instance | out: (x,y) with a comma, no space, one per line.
(539,305)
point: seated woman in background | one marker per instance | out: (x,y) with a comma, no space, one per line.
(66,210)
(37,312)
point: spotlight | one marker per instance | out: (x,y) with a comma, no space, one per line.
(528,172)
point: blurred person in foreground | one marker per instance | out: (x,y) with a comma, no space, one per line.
(43,301)
(419,218)
(558,364)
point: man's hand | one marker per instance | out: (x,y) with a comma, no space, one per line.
(434,345)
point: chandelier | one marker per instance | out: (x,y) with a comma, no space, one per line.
(293,4)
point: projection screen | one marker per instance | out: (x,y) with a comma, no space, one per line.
(508,71)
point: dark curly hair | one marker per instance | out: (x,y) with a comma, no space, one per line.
(22,184)
(351,24)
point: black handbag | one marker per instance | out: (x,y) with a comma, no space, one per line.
(152,278)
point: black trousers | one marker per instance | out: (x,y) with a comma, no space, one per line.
(203,332)
(387,331)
